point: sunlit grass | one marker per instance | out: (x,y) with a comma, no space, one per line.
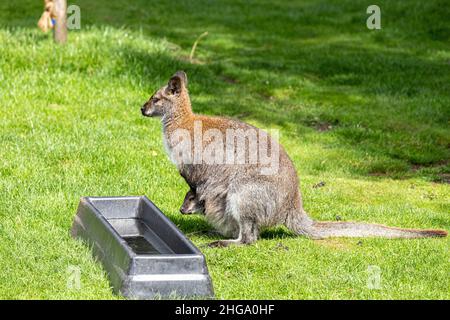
(366,113)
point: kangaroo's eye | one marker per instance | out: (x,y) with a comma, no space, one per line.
(155,100)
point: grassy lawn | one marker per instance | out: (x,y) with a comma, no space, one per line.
(365,111)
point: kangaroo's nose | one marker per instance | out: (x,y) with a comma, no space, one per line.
(143,109)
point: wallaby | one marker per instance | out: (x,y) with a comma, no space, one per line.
(239,199)
(192,204)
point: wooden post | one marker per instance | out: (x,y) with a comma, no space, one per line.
(60,29)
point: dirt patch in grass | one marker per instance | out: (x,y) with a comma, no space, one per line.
(437,172)
(441,172)
(322,125)
(438,165)
(230,80)
(319,185)
(443,178)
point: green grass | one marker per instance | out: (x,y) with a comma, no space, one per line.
(71,127)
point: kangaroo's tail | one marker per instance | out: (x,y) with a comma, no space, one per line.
(355,229)
(301,224)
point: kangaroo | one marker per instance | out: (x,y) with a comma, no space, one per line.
(239,199)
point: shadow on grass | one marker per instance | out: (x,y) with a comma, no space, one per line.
(196,225)
(382,92)
(373,111)
(318,63)
(277,233)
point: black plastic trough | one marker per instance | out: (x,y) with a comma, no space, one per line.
(143,252)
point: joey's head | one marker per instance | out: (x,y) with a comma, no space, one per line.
(170,99)
(192,204)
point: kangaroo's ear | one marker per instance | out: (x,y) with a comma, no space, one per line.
(177,82)
(183,77)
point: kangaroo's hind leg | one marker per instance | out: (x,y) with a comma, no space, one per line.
(248,233)
(244,212)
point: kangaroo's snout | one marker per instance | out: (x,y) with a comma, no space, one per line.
(184,211)
(191,204)
(144,106)
(186,208)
